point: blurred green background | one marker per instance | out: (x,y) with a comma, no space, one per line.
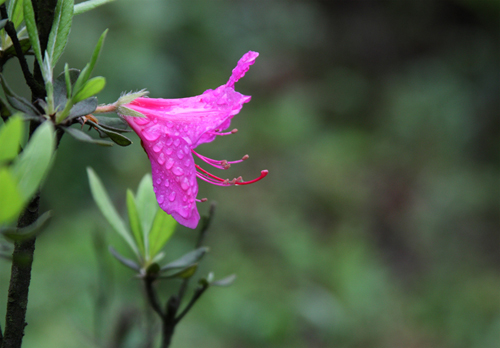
(378,225)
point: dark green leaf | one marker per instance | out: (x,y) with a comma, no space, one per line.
(127,262)
(16,234)
(153,270)
(113,123)
(25,46)
(3,22)
(60,95)
(15,12)
(18,103)
(81,136)
(83,108)
(73,76)
(186,260)
(4,110)
(116,137)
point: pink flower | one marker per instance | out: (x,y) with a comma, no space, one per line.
(173,128)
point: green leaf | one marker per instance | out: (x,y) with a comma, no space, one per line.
(186,272)
(3,22)
(161,231)
(29,19)
(87,70)
(16,13)
(116,137)
(4,110)
(16,234)
(113,123)
(81,136)
(11,135)
(90,88)
(227,281)
(127,262)
(89,5)
(135,222)
(18,103)
(85,107)
(187,259)
(25,46)
(146,203)
(59,33)
(31,166)
(11,200)
(108,210)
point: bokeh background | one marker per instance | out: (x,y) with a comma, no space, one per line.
(378,225)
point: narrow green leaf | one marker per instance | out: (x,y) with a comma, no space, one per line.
(161,231)
(11,200)
(108,210)
(184,273)
(15,234)
(127,262)
(187,259)
(81,136)
(18,103)
(116,137)
(29,19)
(227,281)
(90,88)
(61,26)
(89,5)
(67,80)
(135,222)
(113,123)
(11,135)
(16,13)
(87,70)
(31,166)
(147,206)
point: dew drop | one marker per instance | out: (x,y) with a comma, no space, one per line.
(177,142)
(178,171)
(180,154)
(157,147)
(171,196)
(166,183)
(151,135)
(170,163)
(186,149)
(185,184)
(187,162)
(161,198)
(141,120)
(158,181)
(170,124)
(185,198)
(161,158)
(169,141)
(169,151)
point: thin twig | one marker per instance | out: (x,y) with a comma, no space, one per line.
(197,294)
(153,297)
(35,88)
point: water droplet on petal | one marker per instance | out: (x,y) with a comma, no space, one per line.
(170,163)
(184,199)
(177,142)
(158,181)
(169,151)
(185,184)
(157,147)
(141,120)
(151,135)
(166,183)
(171,196)
(180,154)
(186,149)
(161,158)
(169,141)
(160,199)
(170,124)
(187,162)
(178,171)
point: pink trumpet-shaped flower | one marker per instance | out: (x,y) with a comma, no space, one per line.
(172,129)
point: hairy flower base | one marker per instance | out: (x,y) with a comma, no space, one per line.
(170,131)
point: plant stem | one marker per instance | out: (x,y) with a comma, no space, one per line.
(22,257)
